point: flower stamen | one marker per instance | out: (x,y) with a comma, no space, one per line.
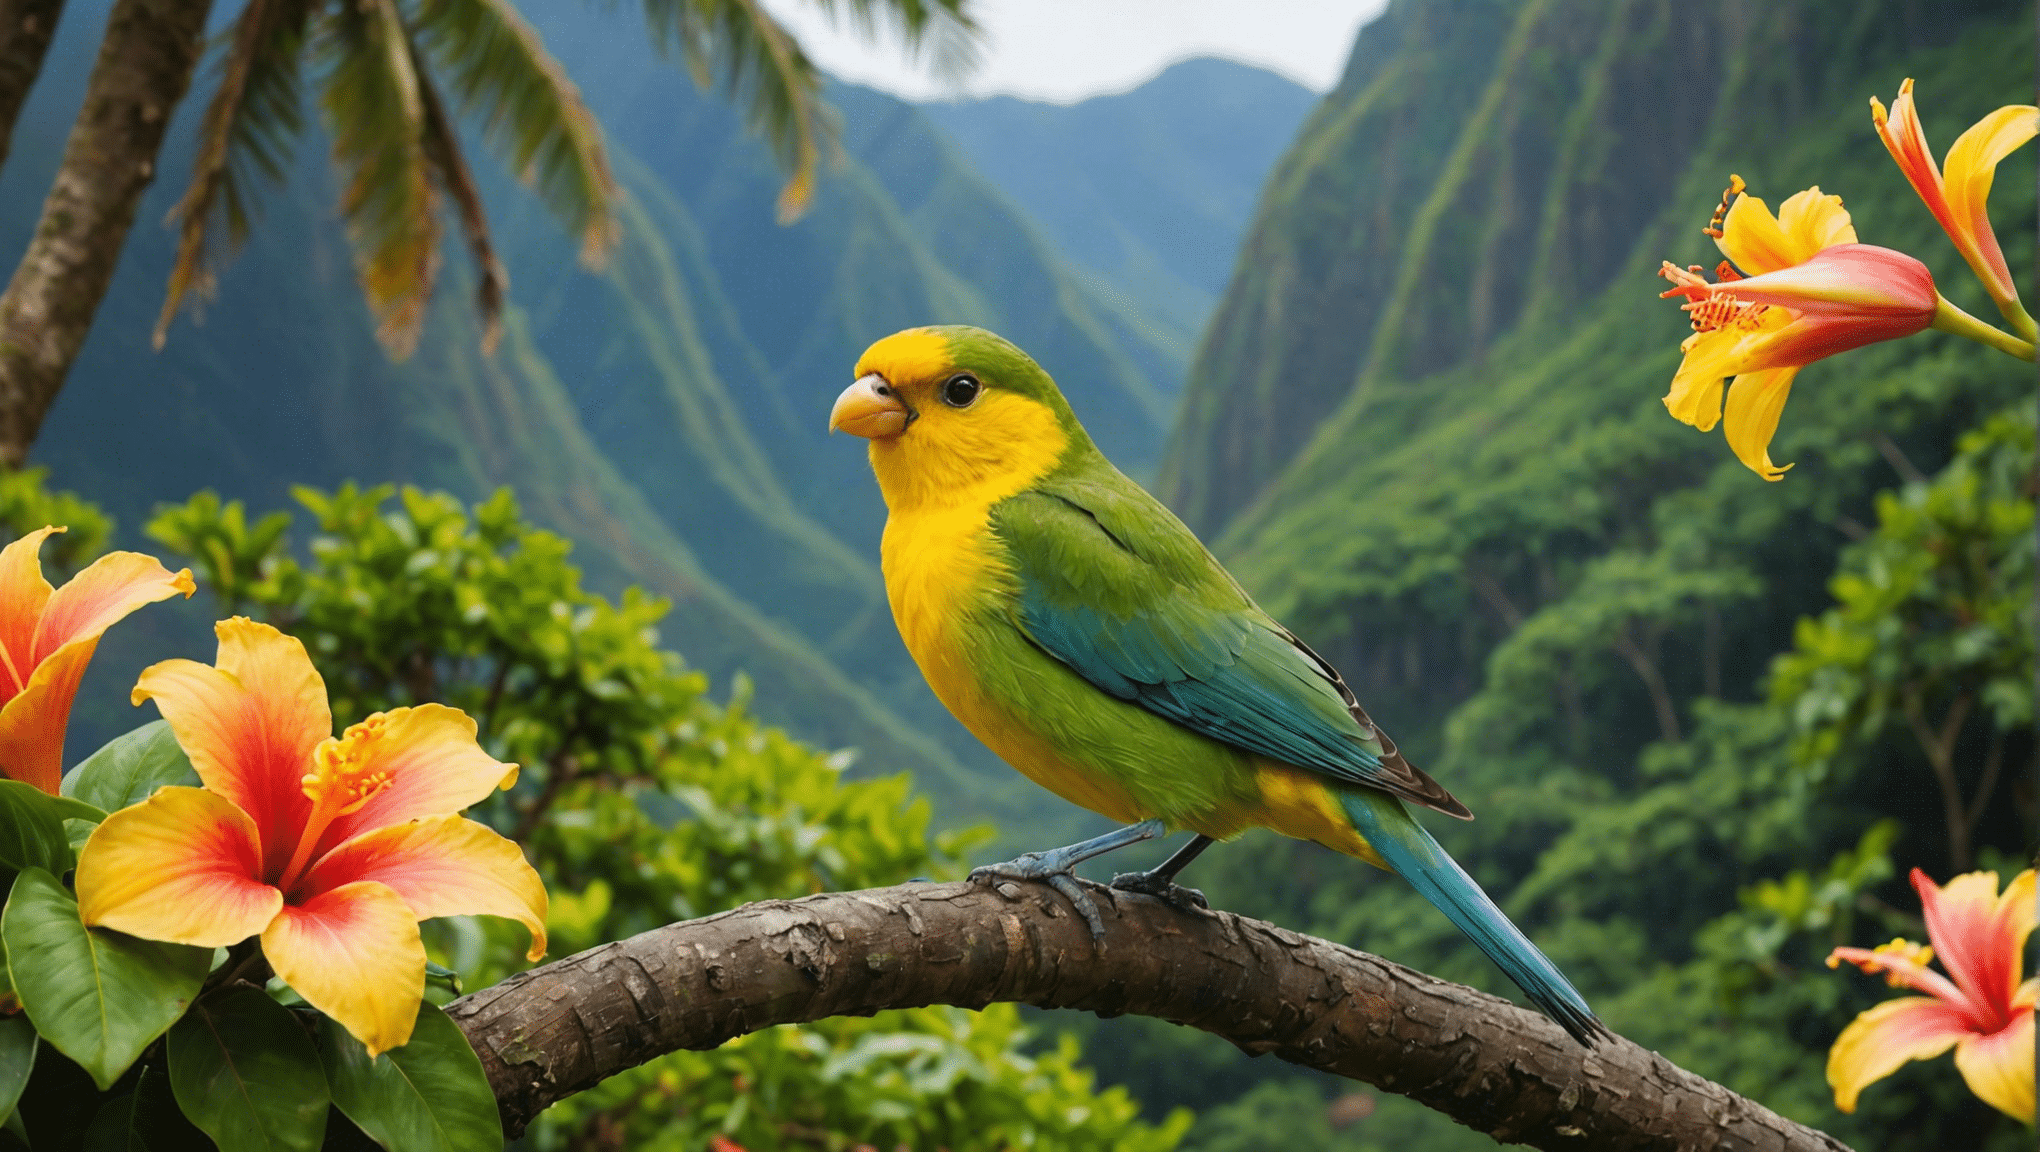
(342,779)
(1734,189)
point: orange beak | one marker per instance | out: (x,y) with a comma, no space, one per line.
(871,409)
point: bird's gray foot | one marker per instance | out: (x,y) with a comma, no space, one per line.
(1153,883)
(1054,866)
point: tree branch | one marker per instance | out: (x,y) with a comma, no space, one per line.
(1504,1070)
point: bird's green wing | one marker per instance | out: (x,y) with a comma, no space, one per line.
(1109,582)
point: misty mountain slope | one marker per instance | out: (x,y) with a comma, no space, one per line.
(1149,191)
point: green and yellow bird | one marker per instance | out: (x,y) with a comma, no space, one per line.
(1080,630)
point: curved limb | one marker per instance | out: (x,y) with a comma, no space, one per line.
(1160,881)
(1054,866)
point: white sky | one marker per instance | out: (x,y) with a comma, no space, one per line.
(1067,50)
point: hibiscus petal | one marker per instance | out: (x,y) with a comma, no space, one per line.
(1755,402)
(1695,394)
(180,866)
(353,953)
(435,768)
(1814,221)
(1999,1067)
(23,592)
(106,591)
(1877,1042)
(1978,936)
(1907,142)
(1751,237)
(1972,162)
(249,726)
(441,866)
(32,724)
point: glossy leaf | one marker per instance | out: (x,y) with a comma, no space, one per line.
(98,997)
(428,1096)
(32,830)
(247,1074)
(130,767)
(17,1060)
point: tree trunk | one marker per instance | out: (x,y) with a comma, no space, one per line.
(26,27)
(1484,1062)
(145,64)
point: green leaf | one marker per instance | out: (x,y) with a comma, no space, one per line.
(144,1120)
(17,1060)
(428,1096)
(98,997)
(32,830)
(130,767)
(443,976)
(246,1073)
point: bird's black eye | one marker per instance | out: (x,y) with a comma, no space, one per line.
(961,391)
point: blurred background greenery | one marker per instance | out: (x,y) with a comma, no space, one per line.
(1399,358)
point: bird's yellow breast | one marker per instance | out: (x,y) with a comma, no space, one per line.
(943,569)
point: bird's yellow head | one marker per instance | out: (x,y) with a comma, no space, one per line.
(955,415)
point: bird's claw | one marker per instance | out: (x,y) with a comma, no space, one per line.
(1032,866)
(1167,891)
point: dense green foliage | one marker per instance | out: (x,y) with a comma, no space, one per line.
(641,802)
(1425,429)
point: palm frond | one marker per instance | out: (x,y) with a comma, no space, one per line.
(375,109)
(941,30)
(250,123)
(449,167)
(764,71)
(530,111)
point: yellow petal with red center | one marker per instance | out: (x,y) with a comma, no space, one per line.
(1999,1067)
(105,592)
(1758,242)
(1755,402)
(249,725)
(441,866)
(23,592)
(1876,1043)
(353,953)
(180,866)
(432,766)
(32,724)
(1979,935)
(1972,162)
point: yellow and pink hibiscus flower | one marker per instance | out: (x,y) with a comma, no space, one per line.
(332,850)
(1797,287)
(1981,1009)
(1957,195)
(47,637)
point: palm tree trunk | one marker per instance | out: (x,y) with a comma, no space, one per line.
(145,63)
(25,30)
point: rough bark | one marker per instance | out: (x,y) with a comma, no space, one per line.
(26,27)
(145,63)
(1482,1061)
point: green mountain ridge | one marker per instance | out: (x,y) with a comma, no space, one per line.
(1425,428)
(1147,192)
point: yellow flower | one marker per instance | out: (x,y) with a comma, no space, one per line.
(1957,197)
(48,635)
(1799,288)
(1980,1009)
(332,849)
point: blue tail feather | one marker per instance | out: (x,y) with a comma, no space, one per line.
(1419,859)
